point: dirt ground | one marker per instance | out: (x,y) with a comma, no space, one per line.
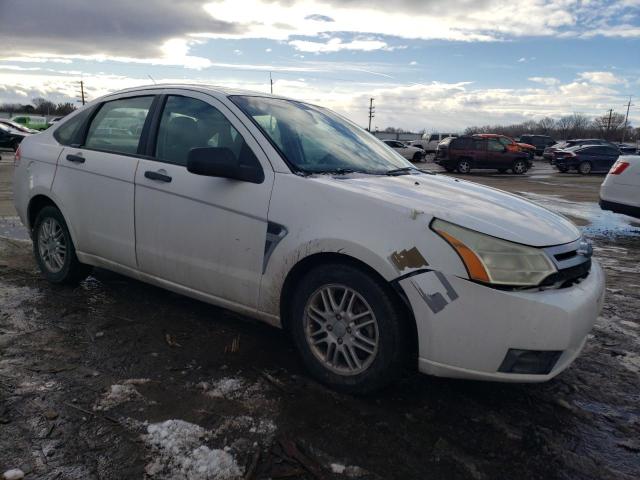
(116,379)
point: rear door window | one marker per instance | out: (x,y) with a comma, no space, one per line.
(117,126)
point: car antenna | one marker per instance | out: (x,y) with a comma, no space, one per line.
(154,82)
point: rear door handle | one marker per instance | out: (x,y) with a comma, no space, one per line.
(157,176)
(75,158)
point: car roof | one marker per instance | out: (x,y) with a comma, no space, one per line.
(215,90)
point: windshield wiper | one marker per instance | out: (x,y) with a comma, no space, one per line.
(400,171)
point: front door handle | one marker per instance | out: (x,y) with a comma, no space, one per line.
(157,176)
(75,158)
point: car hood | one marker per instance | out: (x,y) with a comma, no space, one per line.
(464,203)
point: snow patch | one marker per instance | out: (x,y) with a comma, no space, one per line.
(179,453)
(227,387)
(117,395)
(349,471)
(631,362)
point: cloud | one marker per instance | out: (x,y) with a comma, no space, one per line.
(603,78)
(435,105)
(336,45)
(319,18)
(116,28)
(549,81)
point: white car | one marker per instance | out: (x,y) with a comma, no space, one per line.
(430,141)
(288,213)
(620,191)
(407,151)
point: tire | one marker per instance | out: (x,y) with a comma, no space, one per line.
(417,157)
(584,168)
(519,167)
(464,166)
(56,258)
(502,170)
(358,367)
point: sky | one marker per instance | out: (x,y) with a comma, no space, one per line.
(432,65)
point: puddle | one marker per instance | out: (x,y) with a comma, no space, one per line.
(598,222)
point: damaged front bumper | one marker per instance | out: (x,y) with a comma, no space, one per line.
(467,330)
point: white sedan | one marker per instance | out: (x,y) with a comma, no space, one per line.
(409,152)
(290,214)
(620,191)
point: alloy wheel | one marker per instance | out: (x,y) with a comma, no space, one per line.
(341,329)
(52,245)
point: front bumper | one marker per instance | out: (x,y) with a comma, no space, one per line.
(465,330)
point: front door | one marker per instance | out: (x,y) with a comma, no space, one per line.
(201,232)
(95,181)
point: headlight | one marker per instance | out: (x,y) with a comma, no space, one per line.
(495,261)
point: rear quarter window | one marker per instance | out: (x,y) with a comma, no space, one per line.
(66,132)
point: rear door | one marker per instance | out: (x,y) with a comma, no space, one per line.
(606,158)
(95,179)
(204,233)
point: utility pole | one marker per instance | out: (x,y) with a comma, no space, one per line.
(626,120)
(271,83)
(606,136)
(82,91)
(371,112)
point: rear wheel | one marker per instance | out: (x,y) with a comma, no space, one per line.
(54,250)
(584,168)
(519,167)
(348,328)
(464,166)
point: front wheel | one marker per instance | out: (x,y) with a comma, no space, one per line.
(519,167)
(584,168)
(348,329)
(464,166)
(54,250)
(417,157)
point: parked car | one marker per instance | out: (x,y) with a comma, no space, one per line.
(628,149)
(463,154)
(31,121)
(291,214)
(549,151)
(586,159)
(407,151)
(10,138)
(540,142)
(430,141)
(510,143)
(620,191)
(17,126)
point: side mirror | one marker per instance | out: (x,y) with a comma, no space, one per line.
(221,162)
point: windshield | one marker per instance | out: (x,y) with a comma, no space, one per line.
(314,140)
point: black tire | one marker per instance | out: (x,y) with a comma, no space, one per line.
(464,166)
(72,271)
(584,168)
(417,157)
(519,166)
(502,170)
(393,348)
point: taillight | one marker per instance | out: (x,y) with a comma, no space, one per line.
(618,168)
(16,159)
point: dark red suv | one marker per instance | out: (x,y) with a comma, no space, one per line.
(466,153)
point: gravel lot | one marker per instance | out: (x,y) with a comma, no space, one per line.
(117,379)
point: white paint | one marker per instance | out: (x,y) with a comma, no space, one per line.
(623,188)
